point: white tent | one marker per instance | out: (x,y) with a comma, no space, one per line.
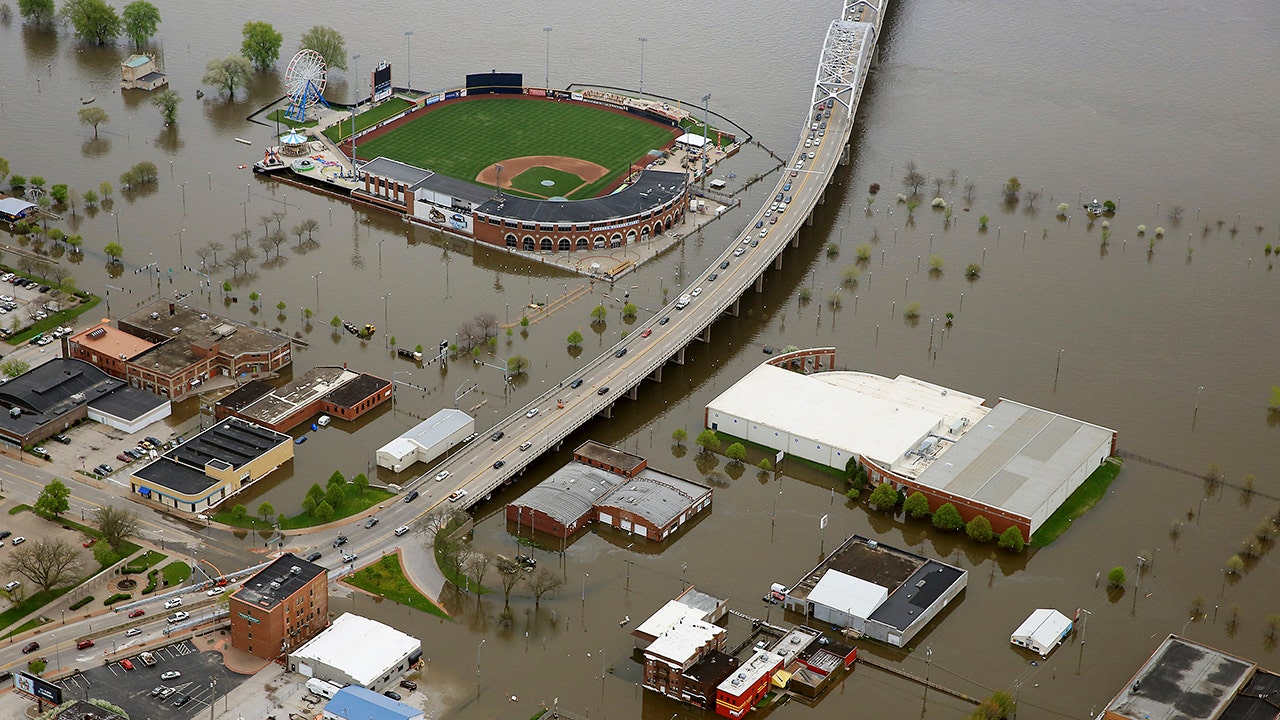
(1042,631)
(693,141)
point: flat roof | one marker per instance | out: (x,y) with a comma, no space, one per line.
(58,385)
(136,60)
(870,560)
(609,455)
(667,617)
(1016,457)
(194,326)
(654,496)
(359,647)
(178,477)
(233,441)
(437,427)
(762,663)
(1043,627)
(860,413)
(110,341)
(362,386)
(911,598)
(128,403)
(1256,700)
(680,642)
(395,170)
(847,593)
(278,404)
(713,666)
(570,492)
(257,590)
(1182,680)
(651,189)
(697,599)
(245,395)
(357,703)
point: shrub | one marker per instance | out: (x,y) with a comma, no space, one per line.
(948,518)
(1109,205)
(81,602)
(884,497)
(936,262)
(1062,208)
(832,250)
(938,203)
(1011,539)
(911,311)
(1116,578)
(875,188)
(1159,232)
(116,598)
(979,530)
(1235,564)
(916,505)
(901,198)
(973,271)
(1142,230)
(982,221)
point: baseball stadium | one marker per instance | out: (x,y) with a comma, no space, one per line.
(525,168)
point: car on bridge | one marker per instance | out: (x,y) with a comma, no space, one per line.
(137,613)
(525,445)
(665,320)
(724,265)
(620,353)
(172,603)
(602,391)
(646,332)
(178,617)
(442,475)
(576,383)
(712,277)
(457,495)
(696,292)
(497,464)
(532,412)
(497,436)
(739,251)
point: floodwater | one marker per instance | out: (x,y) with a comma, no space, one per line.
(1152,104)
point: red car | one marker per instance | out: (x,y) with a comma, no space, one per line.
(126,664)
(137,613)
(82,644)
(30,647)
(123,458)
(646,332)
(89,542)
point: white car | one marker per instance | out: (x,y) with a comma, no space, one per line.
(739,251)
(764,232)
(172,603)
(811,156)
(178,617)
(457,495)
(402,530)
(133,632)
(442,475)
(215,591)
(696,292)
(18,540)
(171,675)
(531,413)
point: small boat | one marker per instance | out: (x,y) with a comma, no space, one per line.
(87,101)
(350,327)
(300,440)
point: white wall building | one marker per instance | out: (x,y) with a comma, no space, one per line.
(1042,631)
(357,651)
(427,440)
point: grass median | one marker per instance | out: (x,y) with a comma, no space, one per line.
(386,578)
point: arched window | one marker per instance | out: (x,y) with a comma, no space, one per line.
(601,242)
(511,240)
(528,242)
(616,241)
(564,244)
(631,236)
(546,243)
(583,243)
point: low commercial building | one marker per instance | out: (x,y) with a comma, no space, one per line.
(281,607)
(687,661)
(612,487)
(747,684)
(1042,631)
(427,440)
(1012,463)
(876,591)
(356,703)
(212,466)
(329,390)
(692,604)
(53,396)
(171,349)
(1186,680)
(140,72)
(357,651)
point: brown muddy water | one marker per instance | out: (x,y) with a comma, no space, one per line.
(1152,104)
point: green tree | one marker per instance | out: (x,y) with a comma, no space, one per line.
(167,100)
(281,306)
(329,43)
(599,313)
(116,524)
(575,339)
(765,465)
(1275,392)
(239,512)
(53,499)
(708,441)
(973,271)
(141,19)
(736,452)
(361,483)
(315,494)
(93,117)
(679,435)
(630,310)
(39,13)
(982,222)
(13,367)
(261,44)
(1235,564)
(336,322)
(94,20)
(59,193)
(517,364)
(105,190)
(17,183)
(947,518)
(334,494)
(979,529)
(884,497)
(911,311)
(916,505)
(4,169)
(1011,539)
(266,510)
(936,262)
(228,73)
(1116,578)
(113,251)
(324,511)
(309,502)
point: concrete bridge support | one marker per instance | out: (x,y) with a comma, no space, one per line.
(678,358)
(808,220)
(634,392)
(822,197)
(777,262)
(607,411)
(656,375)
(844,155)
(795,240)
(759,284)
(705,335)
(735,308)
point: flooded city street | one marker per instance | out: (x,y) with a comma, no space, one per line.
(1169,340)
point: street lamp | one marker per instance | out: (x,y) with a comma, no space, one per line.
(643,41)
(585,575)
(547,84)
(393,387)
(316,277)
(179,234)
(478,646)
(117,217)
(408,64)
(386,322)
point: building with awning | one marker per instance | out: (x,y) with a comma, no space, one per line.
(14,209)
(691,141)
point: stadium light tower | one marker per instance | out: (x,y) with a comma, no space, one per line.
(547,80)
(643,41)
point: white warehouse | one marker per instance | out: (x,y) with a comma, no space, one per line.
(355,650)
(1009,462)
(427,440)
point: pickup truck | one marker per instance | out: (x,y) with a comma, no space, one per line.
(683,301)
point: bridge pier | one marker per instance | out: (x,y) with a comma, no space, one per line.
(808,220)
(705,335)
(606,412)
(822,197)
(634,392)
(759,284)
(777,262)
(656,375)
(844,155)
(795,240)
(735,308)
(678,358)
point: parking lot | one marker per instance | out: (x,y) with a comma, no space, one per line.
(203,677)
(21,306)
(29,526)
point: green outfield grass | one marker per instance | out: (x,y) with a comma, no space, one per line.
(530,181)
(461,139)
(368,118)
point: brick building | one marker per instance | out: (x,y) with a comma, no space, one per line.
(280,608)
(332,390)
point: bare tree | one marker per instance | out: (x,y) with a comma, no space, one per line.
(203,252)
(277,239)
(968,192)
(241,257)
(299,230)
(310,224)
(914,179)
(543,582)
(952,175)
(468,334)
(116,524)
(278,216)
(216,247)
(1032,197)
(57,273)
(937,184)
(476,566)
(266,244)
(488,324)
(45,562)
(1175,212)
(512,574)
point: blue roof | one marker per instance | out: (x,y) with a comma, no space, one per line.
(356,703)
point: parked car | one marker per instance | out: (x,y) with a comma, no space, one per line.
(126,664)
(19,540)
(408,685)
(4,534)
(170,675)
(183,699)
(62,439)
(313,557)
(391,694)
(123,458)
(154,441)
(215,591)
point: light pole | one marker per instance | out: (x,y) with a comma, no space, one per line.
(179,234)
(547,80)
(584,586)
(408,59)
(316,277)
(117,217)
(355,60)
(355,64)
(481,644)
(183,185)
(706,121)
(386,315)
(393,387)
(643,42)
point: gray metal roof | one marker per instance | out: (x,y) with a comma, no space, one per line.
(653,188)
(395,170)
(570,492)
(437,427)
(654,496)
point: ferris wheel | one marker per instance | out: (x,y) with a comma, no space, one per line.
(305,81)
